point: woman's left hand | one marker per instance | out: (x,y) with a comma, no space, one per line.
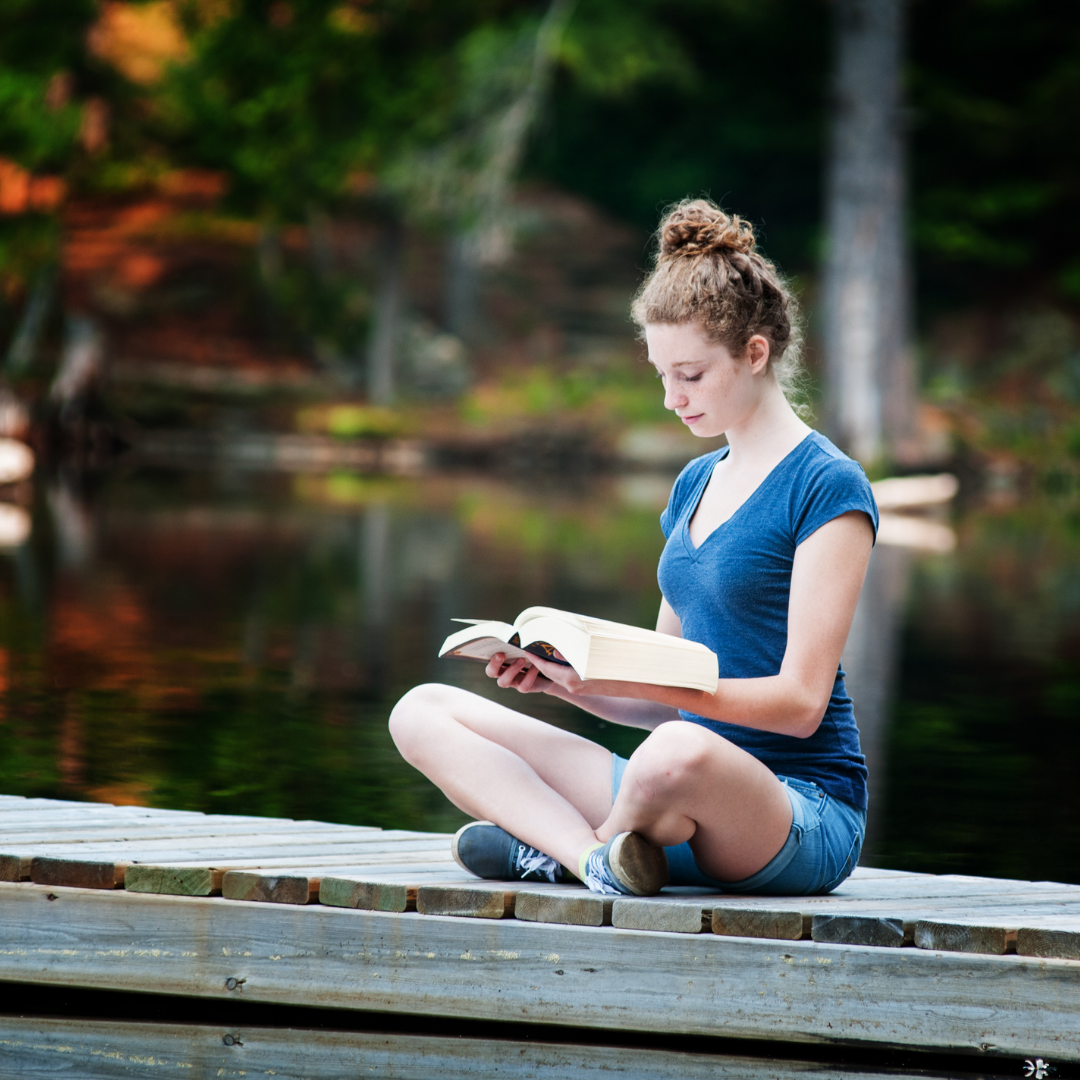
(535,676)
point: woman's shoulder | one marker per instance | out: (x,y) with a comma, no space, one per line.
(826,484)
(823,461)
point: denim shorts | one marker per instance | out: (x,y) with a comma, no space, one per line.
(821,850)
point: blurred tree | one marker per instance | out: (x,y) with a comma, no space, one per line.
(995,96)
(462,181)
(657,99)
(306,104)
(43,69)
(869,398)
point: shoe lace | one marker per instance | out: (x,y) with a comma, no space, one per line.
(530,861)
(599,879)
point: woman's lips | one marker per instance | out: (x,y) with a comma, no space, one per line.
(691,419)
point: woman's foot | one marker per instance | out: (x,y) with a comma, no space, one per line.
(627,865)
(492,853)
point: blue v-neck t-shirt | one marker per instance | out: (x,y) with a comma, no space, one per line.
(731,594)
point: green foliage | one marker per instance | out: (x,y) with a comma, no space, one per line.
(41,40)
(613,49)
(31,133)
(617,395)
(293,99)
(660,100)
(995,94)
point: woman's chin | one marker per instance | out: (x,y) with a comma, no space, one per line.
(704,430)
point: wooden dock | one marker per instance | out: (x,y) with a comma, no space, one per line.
(307,913)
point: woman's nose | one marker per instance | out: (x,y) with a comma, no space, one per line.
(673,397)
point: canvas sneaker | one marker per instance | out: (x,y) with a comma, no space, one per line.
(627,865)
(492,853)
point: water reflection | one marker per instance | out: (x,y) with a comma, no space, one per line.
(234,644)
(871,662)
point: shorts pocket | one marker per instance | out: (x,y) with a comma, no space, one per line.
(843,871)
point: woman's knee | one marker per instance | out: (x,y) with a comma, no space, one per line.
(415,715)
(672,759)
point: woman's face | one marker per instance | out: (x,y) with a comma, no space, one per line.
(704,385)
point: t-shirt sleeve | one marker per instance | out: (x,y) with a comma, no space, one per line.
(839,486)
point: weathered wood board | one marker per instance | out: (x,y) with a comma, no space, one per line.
(42,1049)
(511,970)
(302,862)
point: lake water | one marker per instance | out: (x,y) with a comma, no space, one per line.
(233,643)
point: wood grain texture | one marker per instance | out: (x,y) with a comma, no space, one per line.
(650,913)
(43,1049)
(878,931)
(577,908)
(510,970)
(1039,941)
(474,902)
(269,888)
(962,937)
(14,868)
(78,873)
(760,923)
(174,880)
(385,888)
(367,895)
(172,851)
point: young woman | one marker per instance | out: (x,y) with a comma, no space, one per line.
(759,787)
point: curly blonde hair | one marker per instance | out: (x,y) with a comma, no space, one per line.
(709,272)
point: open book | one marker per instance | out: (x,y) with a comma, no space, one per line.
(594,648)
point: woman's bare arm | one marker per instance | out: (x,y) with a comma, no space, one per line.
(826,579)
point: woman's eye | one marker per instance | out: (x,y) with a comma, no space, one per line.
(693,378)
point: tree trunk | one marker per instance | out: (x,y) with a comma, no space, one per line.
(386,318)
(487,241)
(80,367)
(869,366)
(462,299)
(24,343)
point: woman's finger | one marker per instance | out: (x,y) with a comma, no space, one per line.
(527,683)
(510,673)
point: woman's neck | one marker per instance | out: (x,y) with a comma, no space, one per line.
(768,433)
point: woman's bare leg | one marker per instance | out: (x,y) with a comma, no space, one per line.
(552,789)
(685,782)
(548,787)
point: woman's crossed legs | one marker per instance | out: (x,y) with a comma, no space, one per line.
(552,789)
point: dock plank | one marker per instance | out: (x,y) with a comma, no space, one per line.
(675,916)
(303,885)
(956,936)
(381,891)
(572,907)
(79,873)
(732,921)
(876,930)
(501,969)
(82,869)
(479,901)
(45,1048)
(1047,941)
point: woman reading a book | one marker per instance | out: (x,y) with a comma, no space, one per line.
(760,785)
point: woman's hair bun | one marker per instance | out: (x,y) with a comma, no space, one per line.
(697,227)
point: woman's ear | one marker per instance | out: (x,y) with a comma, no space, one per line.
(758,351)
